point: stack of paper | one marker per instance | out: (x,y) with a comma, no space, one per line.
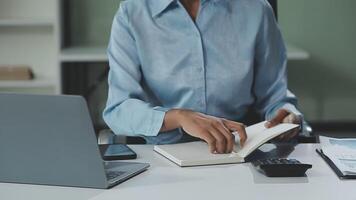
(342,152)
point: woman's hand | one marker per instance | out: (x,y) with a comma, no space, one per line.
(284,116)
(217,132)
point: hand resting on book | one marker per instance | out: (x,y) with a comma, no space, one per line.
(217,132)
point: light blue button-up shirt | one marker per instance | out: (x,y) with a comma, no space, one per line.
(231,58)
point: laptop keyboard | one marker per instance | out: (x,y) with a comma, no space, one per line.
(113,174)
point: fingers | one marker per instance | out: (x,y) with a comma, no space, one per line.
(293,119)
(228,136)
(240,128)
(218,137)
(220,140)
(281,115)
(213,130)
(208,138)
(216,140)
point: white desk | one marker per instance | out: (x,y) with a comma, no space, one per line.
(164,180)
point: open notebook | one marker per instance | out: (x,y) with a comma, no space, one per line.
(197,153)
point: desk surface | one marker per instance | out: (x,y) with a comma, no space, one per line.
(165,180)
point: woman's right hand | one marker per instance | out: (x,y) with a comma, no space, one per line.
(217,132)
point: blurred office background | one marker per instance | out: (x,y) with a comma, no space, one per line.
(64,43)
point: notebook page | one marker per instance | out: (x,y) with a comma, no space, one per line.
(258,134)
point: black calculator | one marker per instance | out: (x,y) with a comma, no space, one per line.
(281,167)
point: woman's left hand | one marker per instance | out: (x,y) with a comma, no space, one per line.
(285,116)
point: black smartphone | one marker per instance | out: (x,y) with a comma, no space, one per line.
(117,152)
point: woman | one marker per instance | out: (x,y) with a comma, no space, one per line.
(195,67)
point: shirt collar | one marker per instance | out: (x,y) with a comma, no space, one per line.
(158,6)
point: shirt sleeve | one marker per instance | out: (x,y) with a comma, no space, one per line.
(126,111)
(270,85)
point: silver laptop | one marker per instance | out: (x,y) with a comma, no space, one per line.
(50,140)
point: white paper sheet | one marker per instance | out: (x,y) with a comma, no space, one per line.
(342,152)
